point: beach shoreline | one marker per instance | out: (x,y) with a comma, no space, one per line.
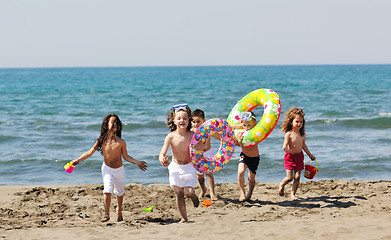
(327,209)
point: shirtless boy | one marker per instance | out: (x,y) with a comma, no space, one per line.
(182,174)
(249,157)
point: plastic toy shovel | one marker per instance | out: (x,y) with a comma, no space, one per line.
(207,203)
(69,168)
(150,209)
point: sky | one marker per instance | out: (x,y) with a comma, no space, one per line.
(99,33)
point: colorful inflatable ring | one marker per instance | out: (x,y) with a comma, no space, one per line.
(272,108)
(209,165)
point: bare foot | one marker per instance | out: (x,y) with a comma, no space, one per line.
(281,190)
(213,197)
(119,215)
(242,198)
(183,220)
(294,197)
(105,219)
(247,198)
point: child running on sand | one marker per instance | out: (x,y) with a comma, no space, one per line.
(294,143)
(249,157)
(198,117)
(182,174)
(113,148)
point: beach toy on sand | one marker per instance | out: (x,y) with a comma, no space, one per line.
(150,209)
(207,203)
(271,113)
(69,168)
(310,170)
(204,164)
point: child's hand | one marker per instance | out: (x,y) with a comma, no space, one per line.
(200,146)
(74,162)
(142,165)
(165,161)
(313,158)
(240,136)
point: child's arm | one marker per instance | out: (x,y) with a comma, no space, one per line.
(306,150)
(203,146)
(85,155)
(285,146)
(164,160)
(237,126)
(215,136)
(239,139)
(141,164)
(207,143)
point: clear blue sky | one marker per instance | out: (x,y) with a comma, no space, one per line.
(80,33)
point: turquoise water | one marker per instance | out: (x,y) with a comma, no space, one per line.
(51,116)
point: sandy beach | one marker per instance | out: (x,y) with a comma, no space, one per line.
(327,209)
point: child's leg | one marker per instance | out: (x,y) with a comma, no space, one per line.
(201,180)
(211,183)
(119,207)
(295,184)
(190,193)
(251,185)
(106,203)
(241,170)
(287,179)
(180,200)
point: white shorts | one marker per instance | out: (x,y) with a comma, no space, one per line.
(182,175)
(113,178)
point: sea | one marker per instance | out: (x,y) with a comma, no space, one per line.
(50,116)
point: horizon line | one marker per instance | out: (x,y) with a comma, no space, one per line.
(228,65)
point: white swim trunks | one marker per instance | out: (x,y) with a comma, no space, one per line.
(113,178)
(182,175)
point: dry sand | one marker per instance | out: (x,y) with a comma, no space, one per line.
(332,209)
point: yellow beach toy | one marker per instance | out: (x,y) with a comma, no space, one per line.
(150,209)
(272,109)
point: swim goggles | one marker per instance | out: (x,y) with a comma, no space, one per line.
(246,116)
(179,107)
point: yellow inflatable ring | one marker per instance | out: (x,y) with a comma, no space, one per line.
(272,109)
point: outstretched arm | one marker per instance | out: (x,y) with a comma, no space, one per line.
(164,160)
(85,155)
(141,164)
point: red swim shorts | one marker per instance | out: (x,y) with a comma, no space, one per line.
(294,161)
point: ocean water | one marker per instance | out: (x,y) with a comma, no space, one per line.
(51,116)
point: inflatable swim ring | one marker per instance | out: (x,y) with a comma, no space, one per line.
(209,165)
(272,108)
